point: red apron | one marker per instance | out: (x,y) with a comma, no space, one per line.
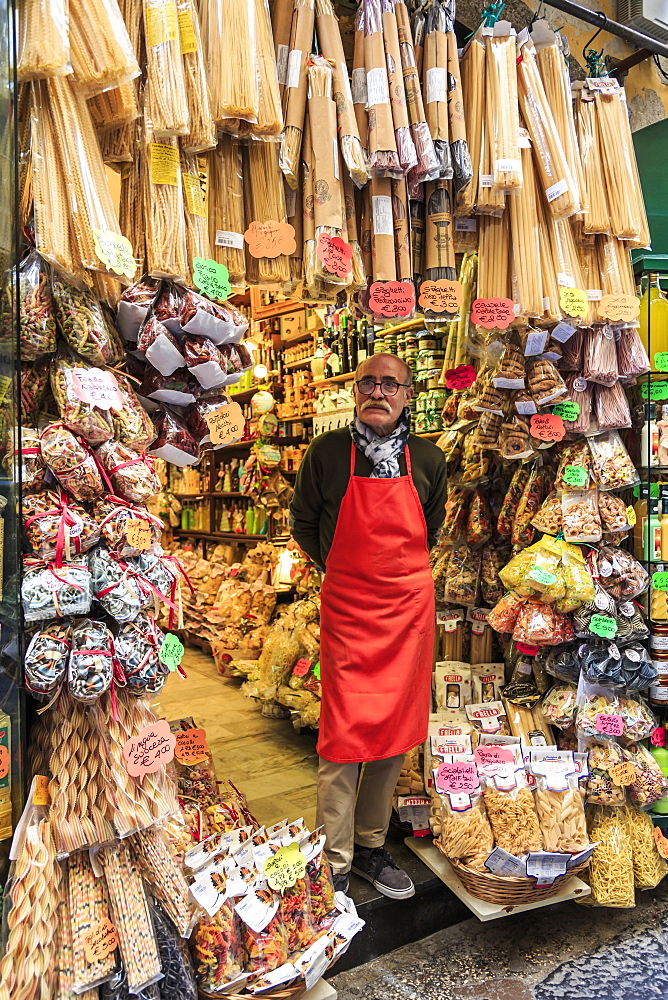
(377,623)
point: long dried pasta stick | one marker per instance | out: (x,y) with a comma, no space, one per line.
(501,84)
(627,207)
(294,97)
(270,116)
(202,128)
(226,208)
(114,108)
(194,202)
(265,201)
(383,157)
(551,309)
(525,242)
(117,145)
(102,53)
(493,260)
(163,202)
(428,165)
(597,219)
(439,249)
(165,100)
(131,207)
(405,146)
(473,89)
(434,84)
(231,67)
(614,263)
(44,45)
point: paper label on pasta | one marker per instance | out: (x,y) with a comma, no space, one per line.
(152,747)
(556,190)
(97,387)
(226,424)
(160,22)
(486,180)
(359,86)
(116,252)
(609,724)
(382,215)
(563,332)
(466,225)
(535,343)
(508,166)
(225,238)
(211,278)
(437,89)
(460,777)
(294,68)
(187,31)
(282,64)
(546,867)
(524,139)
(376,87)
(138,533)
(604,84)
(594,294)
(620,308)
(165,166)
(500,862)
(192,189)
(565,281)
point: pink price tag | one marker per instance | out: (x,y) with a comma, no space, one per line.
(658,737)
(490,756)
(301,667)
(335,253)
(610,725)
(460,778)
(146,752)
(97,387)
(460,377)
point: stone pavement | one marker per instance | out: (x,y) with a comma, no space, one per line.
(566,951)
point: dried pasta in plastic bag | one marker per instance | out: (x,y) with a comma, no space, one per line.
(43,45)
(269,116)
(164,217)
(597,219)
(226,208)
(195,214)
(648,865)
(231,68)
(562,816)
(628,218)
(165,101)
(512,813)
(102,53)
(501,83)
(466,835)
(201,128)
(265,201)
(611,873)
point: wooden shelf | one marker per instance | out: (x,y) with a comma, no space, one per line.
(190,496)
(220,536)
(298,338)
(304,363)
(431,435)
(295,420)
(244,395)
(334,380)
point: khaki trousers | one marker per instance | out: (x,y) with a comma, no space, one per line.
(354,806)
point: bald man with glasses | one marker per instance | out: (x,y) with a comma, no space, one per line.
(369,501)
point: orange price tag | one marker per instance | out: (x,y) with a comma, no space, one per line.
(661,842)
(620,308)
(4,762)
(492,314)
(226,424)
(138,534)
(392,298)
(547,427)
(441,296)
(624,774)
(100,941)
(270,239)
(191,746)
(146,752)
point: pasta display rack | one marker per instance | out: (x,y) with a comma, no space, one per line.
(507,890)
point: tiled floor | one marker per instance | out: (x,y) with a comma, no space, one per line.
(272,764)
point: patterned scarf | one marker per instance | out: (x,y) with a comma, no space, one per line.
(382,452)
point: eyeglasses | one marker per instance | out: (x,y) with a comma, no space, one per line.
(388,387)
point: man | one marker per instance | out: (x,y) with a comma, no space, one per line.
(368,504)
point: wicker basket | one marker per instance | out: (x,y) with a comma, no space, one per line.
(505,890)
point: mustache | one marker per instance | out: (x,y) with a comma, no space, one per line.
(376,402)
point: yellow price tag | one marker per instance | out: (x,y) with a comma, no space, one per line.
(284,868)
(40,795)
(165,165)
(631,516)
(115,251)
(573,301)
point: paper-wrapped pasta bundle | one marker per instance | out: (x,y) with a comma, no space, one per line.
(435,86)
(294,97)
(405,146)
(43,45)
(402,243)
(163,199)
(101,49)
(383,157)
(428,165)
(439,248)
(459,149)
(359,88)
(226,208)
(382,230)
(201,128)
(281,28)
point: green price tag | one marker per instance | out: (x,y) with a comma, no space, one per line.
(604,626)
(661,361)
(316,670)
(657,390)
(653,490)
(567,411)
(211,278)
(660,581)
(171,651)
(542,576)
(574,475)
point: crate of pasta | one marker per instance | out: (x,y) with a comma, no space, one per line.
(512,819)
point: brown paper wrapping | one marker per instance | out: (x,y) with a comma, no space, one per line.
(417,239)
(439,226)
(402,239)
(395,75)
(358,64)
(294,98)
(349,214)
(363,199)
(381,123)
(328,205)
(308,220)
(436,56)
(331,47)
(456,123)
(281,27)
(413,90)
(384,267)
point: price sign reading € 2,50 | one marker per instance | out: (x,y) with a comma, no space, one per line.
(492,314)
(211,278)
(284,868)
(226,423)
(270,239)
(459,778)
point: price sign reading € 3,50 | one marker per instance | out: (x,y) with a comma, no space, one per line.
(226,423)
(212,278)
(284,868)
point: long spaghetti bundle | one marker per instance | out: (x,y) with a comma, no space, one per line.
(117,145)
(417,215)
(428,165)
(525,242)
(165,99)
(131,206)
(597,219)
(401,224)
(627,208)
(231,66)
(493,260)
(383,157)
(226,208)
(501,93)
(114,108)
(359,80)
(566,260)
(294,97)
(435,84)
(459,149)
(591,274)
(491,199)
(439,248)
(101,50)
(90,202)
(202,128)
(264,201)
(614,263)
(551,308)
(405,146)
(473,90)
(269,115)
(163,202)
(194,203)
(553,171)
(366,229)
(44,44)
(308,214)
(331,46)
(382,230)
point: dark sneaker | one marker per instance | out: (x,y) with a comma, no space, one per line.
(341,881)
(376,866)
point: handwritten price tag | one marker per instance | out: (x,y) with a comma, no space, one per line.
(661,842)
(567,410)
(4,762)
(270,239)
(661,361)
(138,534)
(493,314)
(284,868)
(631,517)
(211,278)
(335,253)
(460,377)
(574,475)
(146,752)
(660,581)
(115,252)
(547,427)
(493,757)
(441,296)
(100,941)
(573,301)
(657,390)
(392,298)
(604,626)
(171,651)
(610,725)
(542,576)
(658,737)
(620,308)
(191,746)
(226,424)
(301,667)
(97,387)
(624,774)
(458,778)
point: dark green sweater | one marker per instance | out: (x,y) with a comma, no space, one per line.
(323,479)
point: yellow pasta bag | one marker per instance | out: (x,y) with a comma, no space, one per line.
(648,865)
(558,801)
(466,835)
(509,801)
(611,875)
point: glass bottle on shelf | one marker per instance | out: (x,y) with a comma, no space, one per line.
(654,318)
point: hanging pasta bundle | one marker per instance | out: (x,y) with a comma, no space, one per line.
(382,230)
(293,208)
(350,218)
(23,137)
(90,202)
(591,274)
(269,115)
(525,242)
(417,216)
(383,157)
(401,224)
(294,98)
(491,200)
(459,149)
(131,207)
(197,228)
(331,46)
(435,84)
(281,28)
(308,214)
(231,67)
(366,234)
(405,146)
(163,201)
(553,171)
(614,263)
(165,99)
(473,90)
(114,108)
(553,69)
(264,202)
(428,167)
(101,50)
(551,309)
(567,261)
(501,92)
(627,207)
(597,219)
(53,234)
(226,208)
(494,261)
(202,128)
(117,145)
(439,248)
(359,81)
(43,44)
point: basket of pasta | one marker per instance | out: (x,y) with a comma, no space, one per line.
(512,834)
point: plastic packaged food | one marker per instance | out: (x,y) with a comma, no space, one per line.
(137,646)
(479,522)
(611,407)
(83,324)
(321,890)
(575,454)
(116,587)
(620,574)
(295,912)
(466,835)
(71,462)
(529,503)
(133,476)
(541,625)
(91,422)
(218,949)
(174,442)
(38,325)
(180,388)
(266,950)
(581,520)
(600,356)
(611,465)
(134,305)
(561,815)
(493,561)
(649,784)
(462,580)
(638,720)
(160,346)
(596,702)
(612,510)
(56,529)
(549,518)
(601,788)
(559,705)
(545,382)
(611,872)
(49,591)
(221,324)
(179,981)
(207,363)
(91,660)
(132,425)
(45,665)
(505,613)
(648,865)
(114,515)
(504,525)
(512,815)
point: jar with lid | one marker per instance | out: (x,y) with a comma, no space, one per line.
(421,423)
(411,342)
(379,344)
(435,420)
(660,661)
(658,640)
(426,342)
